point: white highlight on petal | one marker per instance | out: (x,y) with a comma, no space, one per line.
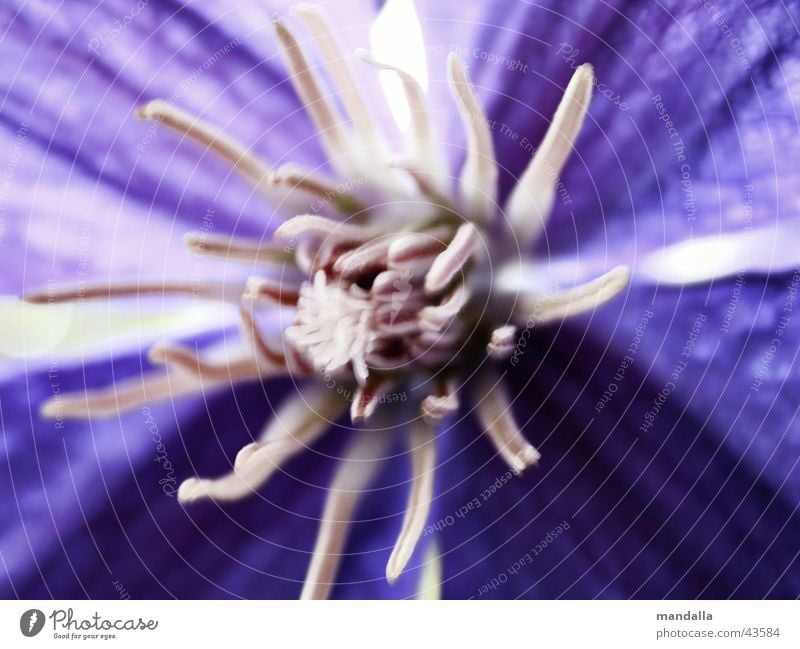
(760,250)
(430,582)
(72,329)
(396,39)
(423,458)
(494,412)
(423,148)
(33,329)
(479,175)
(297,424)
(353,476)
(532,200)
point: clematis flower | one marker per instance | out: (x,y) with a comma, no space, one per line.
(330,318)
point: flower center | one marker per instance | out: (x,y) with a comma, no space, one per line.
(380,291)
(386,306)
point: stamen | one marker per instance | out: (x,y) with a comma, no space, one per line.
(395,321)
(423,457)
(324,114)
(340,73)
(414,252)
(294,177)
(183,122)
(432,355)
(370,257)
(441,340)
(306,254)
(206,290)
(121,396)
(381,297)
(424,148)
(585,297)
(379,361)
(437,318)
(443,403)
(426,183)
(532,200)
(297,360)
(479,176)
(494,412)
(391,285)
(405,307)
(329,250)
(271,290)
(313,224)
(502,342)
(399,328)
(296,426)
(366,399)
(245,369)
(354,474)
(452,260)
(333,326)
(203,243)
(252,334)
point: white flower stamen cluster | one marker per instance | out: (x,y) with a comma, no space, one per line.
(387,289)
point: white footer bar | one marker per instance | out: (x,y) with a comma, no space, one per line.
(385,625)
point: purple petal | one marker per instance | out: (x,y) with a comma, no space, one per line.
(91,505)
(701,503)
(95,189)
(727,80)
